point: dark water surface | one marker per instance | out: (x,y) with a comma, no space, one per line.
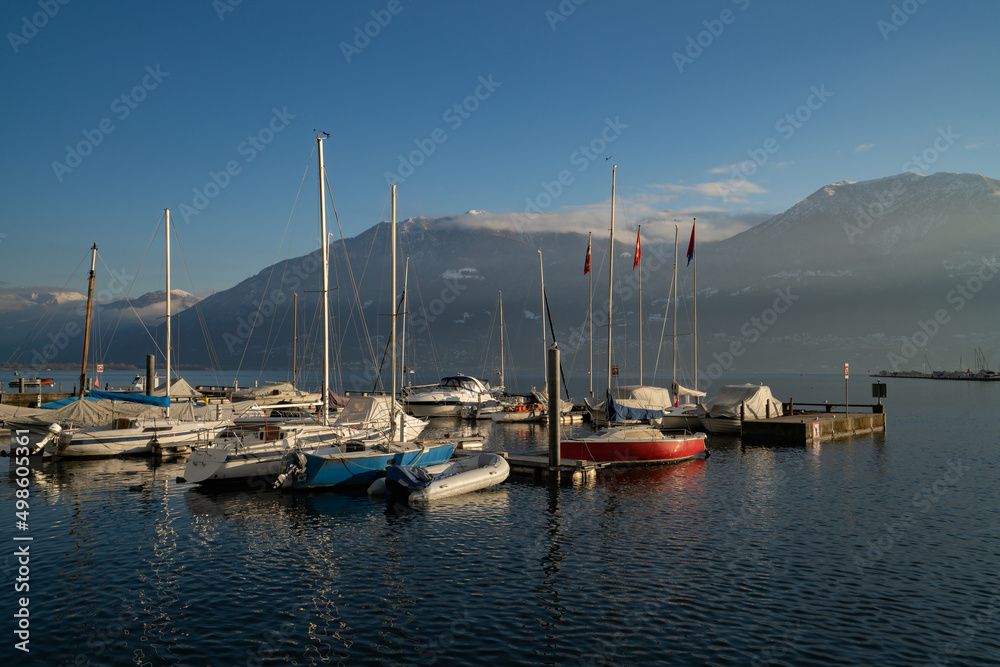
(877,550)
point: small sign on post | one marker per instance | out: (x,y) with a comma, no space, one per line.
(847,374)
(100,368)
(614,371)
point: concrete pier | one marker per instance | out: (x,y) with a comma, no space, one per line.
(805,428)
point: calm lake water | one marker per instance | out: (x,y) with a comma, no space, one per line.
(876,550)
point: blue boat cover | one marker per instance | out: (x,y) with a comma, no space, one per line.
(160,401)
(618,413)
(55,405)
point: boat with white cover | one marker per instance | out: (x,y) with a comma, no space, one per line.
(721,412)
(422,484)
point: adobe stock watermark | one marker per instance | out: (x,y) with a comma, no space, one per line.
(563,11)
(363,35)
(121,107)
(869,215)
(37,21)
(698,44)
(900,14)
(303,270)
(455,116)
(223,7)
(959,297)
(248,149)
(752,330)
(71,329)
(786,126)
(974,625)
(424,317)
(582,157)
(924,500)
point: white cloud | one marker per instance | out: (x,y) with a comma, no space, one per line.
(864,147)
(974,146)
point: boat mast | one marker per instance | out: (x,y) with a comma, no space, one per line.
(86,327)
(402,351)
(590,314)
(166,212)
(694,257)
(639,262)
(500,297)
(673,289)
(295,335)
(392,334)
(545,356)
(323,287)
(611,270)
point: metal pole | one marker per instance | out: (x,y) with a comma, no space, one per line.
(166,211)
(553,382)
(392,334)
(323,288)
(86,327)
(611,272)
(150,375)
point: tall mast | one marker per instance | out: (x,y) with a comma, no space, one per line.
(167,213)
(545,355)
(295,335)
(324,286)
(673,289)
(694,256)
(638,251)
(590,315)
(86,327)
(402,329)
(611,270)
(500,297)
(392,335)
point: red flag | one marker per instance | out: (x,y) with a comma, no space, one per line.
(586,265)
(638,250)
(691,244)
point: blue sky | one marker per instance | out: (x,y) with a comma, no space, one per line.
(209,108)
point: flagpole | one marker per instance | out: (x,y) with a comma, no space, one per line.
(638,261)
(694,257)
(611,272)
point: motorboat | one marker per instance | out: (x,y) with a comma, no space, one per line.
(448,397)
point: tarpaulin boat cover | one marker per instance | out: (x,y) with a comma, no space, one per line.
(159,401)
(726,403)
(634,410)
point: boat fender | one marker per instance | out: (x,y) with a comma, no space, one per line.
(707,453)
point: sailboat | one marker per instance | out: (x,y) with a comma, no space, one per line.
(141,435)
(683,415)
(353,463)
(239,455)
(634,443)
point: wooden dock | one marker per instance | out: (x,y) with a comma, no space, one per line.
(804,427)
(536,467)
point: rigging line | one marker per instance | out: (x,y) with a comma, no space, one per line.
(284,267)
(128,302)
(270,275)
(209,346)
(385,353)
(350,272)
(49,307)
(548,313)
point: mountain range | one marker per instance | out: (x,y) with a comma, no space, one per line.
(894,273)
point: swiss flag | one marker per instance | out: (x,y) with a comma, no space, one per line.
(586,265)
(638,249)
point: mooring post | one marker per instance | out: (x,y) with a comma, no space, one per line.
(150,376)
(553,387)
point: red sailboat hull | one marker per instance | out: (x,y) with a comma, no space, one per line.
(635,446)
